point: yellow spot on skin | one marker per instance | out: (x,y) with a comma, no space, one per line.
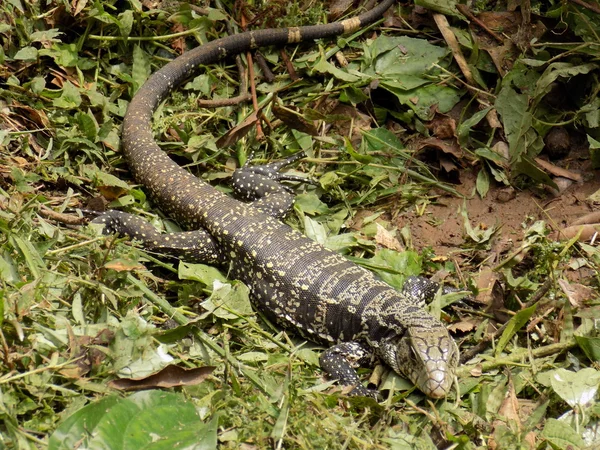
(351,25)
(269,265)
(294,35)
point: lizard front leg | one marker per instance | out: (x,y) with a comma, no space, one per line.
(262,186)
(340,362)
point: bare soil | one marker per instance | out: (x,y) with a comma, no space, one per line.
(441,226)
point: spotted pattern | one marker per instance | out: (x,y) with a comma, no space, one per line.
(293,280)
(191,246)
(262,185)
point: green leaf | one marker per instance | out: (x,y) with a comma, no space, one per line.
(125,23)
(528,167)
(79,424)
(324,66)
(34,261)
(309,203)
(150,420)
(87,124)
(404,60)
(353,95)
(464,128)
(66,55)
(579,388)
(365,159)
(140,70)
(513,108)
(594,151)
(314,230)
(229,301)
(106,179)
(514,325)
(404,264)
(38,84)
(45,35)
(27,54)
(556,70)
(560,435)
(445,7)
(70,97)
(200,272)
(590,346)
(483,182)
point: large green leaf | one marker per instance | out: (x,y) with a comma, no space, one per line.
(152,420)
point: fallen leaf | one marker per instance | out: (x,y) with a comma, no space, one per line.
(386,239)
(238,132)
(577,293)
(465,325)
(123,265)
(170,376)
(290,116)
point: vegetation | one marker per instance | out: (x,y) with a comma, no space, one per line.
(389,117)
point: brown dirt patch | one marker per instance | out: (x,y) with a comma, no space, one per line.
(441,226)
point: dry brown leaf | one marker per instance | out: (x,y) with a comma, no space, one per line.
(476,371)
(170,376)
(290,116)
(122,265)
(578,294)
(442,127)
(386,239)
(448,147)
(465,325)
(178,44)
(238,132)
(508,415)
(558,171)
(485,285)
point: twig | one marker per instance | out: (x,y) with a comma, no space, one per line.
(444,27)
(515,357)
(220,102)
(60,217)
(259,131)
(164,37)
(464,10)
(488,338)
(593,8)
(264,67)
(288,65)
(243,95)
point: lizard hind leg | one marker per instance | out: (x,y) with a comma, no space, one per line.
(262,185)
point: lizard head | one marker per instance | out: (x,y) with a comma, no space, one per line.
(426,355)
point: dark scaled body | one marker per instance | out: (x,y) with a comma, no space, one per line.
(293,280)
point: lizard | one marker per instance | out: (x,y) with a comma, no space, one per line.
(293,280)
